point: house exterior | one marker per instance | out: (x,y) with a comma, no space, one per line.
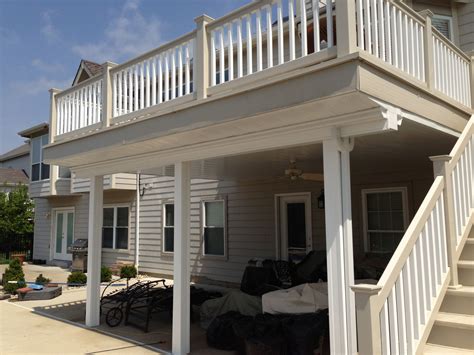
(280,128)
(14,168)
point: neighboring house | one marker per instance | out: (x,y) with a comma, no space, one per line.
(268,134)
(14,168)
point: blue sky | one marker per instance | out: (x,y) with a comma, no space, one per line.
(43,41)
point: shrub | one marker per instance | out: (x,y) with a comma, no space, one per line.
(14,272)
(105,274)
(128,272)
(41,280)
(78,278)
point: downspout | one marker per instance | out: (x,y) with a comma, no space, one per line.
(137,222)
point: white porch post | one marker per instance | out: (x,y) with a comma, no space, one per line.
(94,251)
(181,291)
(340,263)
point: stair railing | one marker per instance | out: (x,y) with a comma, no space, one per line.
(396,315)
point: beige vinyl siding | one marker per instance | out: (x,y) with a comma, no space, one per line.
(43,221)
(466,26)
(125,181)
(118,181)
(39,188)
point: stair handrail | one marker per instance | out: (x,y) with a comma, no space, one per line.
(377,332)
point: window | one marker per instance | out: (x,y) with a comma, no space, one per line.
(214,228)
(115,228)
(444,25)
(39,170)
(168,227)
(385,218)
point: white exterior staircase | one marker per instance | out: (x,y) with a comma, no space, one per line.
(453,329)
(424,301)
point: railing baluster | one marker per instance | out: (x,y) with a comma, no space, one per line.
(381,29)
(416,299)
(368,28)
(147,84)
(281,43)
(187,69)
(180,71)
(316,29)
(407,293)
(388,31)
(167,77)
(240,64)
(402,321)
(153,81)
(230,52)
(213,58)
(291,28)
(304,28)
(330,23)
(119,93)
(135,86)
(249,46)
(393,321)
(173,73)
(142,85)
(375,34)
(160,79)
(270,35)
(258,23)
(221,56)
(385,329)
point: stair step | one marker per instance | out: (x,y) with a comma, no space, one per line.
(466,264)
(439,349)
(455,320)
(465,291)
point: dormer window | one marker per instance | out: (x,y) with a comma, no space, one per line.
(39,170)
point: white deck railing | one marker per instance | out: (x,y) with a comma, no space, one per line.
(79,106)
(257,37)
(451,70)
(267,33)
(393,317)
(161,75)
(392,33)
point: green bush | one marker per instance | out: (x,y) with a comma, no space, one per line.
(14,272)
(41,280)
(128,272)
(78,278)
(105,274)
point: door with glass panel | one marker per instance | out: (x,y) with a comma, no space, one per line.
(63,233)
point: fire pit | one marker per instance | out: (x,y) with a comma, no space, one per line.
(79,255)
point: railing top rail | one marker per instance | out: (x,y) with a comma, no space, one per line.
(409,11)
(451,45)
(238,13)
(163,48)
(79,86)
(461,143)
(399,258)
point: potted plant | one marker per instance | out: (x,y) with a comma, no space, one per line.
(128,272)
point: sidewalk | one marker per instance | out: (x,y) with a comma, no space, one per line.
(23,332)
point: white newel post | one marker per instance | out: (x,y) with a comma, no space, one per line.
(181,277)
(201,57)
(440,164)
(107,104)
(340,264)
(94,251)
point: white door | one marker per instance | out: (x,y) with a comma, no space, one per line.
(295,226)
(63,233)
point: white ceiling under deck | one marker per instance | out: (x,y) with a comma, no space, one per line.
(401,150)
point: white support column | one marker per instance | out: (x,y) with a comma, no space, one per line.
(340,264)
(137,222)
(181,277)
(94,251)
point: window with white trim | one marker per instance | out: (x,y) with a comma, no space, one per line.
(214,234)
(443,24)
(115,227)
(39,170)
(168,227)
(385,218)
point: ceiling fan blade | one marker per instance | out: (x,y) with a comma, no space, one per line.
(312,176)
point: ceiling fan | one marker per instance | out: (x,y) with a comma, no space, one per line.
(294,173)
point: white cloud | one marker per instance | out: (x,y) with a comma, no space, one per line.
(48,30)
(39,85)
(126,35)
(47,67)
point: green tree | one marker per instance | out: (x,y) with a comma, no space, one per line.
(16,212)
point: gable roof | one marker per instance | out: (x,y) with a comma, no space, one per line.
(13,177)
(23,149)
(90,69)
